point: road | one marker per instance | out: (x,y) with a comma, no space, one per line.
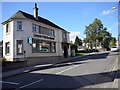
(91,71)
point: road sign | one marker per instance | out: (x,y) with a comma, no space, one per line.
(30,40)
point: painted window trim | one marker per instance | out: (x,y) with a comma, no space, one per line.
(17,26)
(43,51)
(17,48)
(6,49)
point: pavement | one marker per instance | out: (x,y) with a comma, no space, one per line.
(32,68)
(111,76)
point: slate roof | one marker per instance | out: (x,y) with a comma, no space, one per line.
(21,14)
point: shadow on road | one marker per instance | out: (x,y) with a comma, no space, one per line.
(62,81)
(100,56)
(96,56)
(65,81)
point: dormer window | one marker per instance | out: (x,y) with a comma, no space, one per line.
(19,25)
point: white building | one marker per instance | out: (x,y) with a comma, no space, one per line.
(33,37)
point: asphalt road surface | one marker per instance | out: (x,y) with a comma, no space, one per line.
(92,71)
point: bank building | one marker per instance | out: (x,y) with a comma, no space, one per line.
(34,38)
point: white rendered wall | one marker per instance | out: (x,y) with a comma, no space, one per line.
(8,37)
(24,35)
(27,32)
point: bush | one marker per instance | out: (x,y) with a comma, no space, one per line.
(94,50)
(74,47)
(3,60)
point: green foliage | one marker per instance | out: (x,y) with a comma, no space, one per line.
(113,42)
(105,38)
(3,61)
(92,32)
(74,47)
(78,41)
(97,34)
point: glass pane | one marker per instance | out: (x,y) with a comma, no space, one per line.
(19,46)
(45,47)
(19,25)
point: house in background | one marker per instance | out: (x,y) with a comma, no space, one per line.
(35,38)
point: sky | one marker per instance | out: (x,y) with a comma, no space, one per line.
(72,16)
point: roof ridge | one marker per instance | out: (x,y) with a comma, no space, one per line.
(22,14)
(42,18)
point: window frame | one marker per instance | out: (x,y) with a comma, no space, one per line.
(51,47)
(7,28)
(36,28)
(17,47)
(65,35)
(39,46)
(18,29)
(52,32)
(7,49)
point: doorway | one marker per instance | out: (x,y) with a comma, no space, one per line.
(65,51)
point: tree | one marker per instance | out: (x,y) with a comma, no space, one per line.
(78,41)
(92,32)
(74,47)
(105,38)
(113,42)
(97,34)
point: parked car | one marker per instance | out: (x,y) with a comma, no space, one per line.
(94,50)
(114,48)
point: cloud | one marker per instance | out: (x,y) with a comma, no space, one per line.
(73,35)
(106,12)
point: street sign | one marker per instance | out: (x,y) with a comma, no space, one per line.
(30,40)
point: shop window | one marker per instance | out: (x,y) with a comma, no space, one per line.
(43,46)
(53,47)
(35,46)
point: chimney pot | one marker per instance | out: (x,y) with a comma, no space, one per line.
(35,11)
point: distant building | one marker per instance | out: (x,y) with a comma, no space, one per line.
(34,37)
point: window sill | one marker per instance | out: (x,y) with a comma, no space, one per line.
(19,53)
(7,33)
(19,30)
(43,52)
(7,54)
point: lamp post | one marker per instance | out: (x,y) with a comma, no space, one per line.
(118,8)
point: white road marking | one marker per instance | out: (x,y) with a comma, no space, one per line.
(67,69)
(114,67)
(29,84)
(9,82)
(26,71)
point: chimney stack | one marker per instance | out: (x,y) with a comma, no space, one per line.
(35,11)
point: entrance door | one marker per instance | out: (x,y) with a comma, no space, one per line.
(65,51)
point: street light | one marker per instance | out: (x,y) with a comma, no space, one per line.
(113,8)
